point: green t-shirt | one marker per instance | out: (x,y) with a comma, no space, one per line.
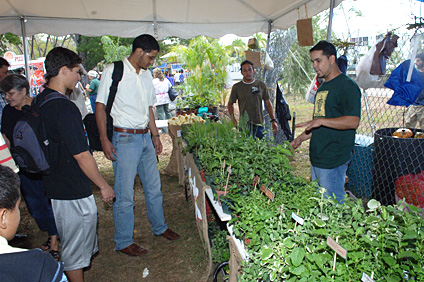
(250,97)
(94,85)
(330,148)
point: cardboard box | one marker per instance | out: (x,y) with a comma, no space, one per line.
(253,43)
(254,57)
(305,32)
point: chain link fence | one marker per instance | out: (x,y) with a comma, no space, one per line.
(385,167)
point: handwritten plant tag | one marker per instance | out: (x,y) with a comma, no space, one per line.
(336,247)
(229,170)
(267,192)
(366,278)
(297,218)
(256,180)
(178,133)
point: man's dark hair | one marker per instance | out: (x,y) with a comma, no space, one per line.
(420,56)
(14,81)
(246,62)
(146,42)
(326,47)
(4,62)
(59,57)
(9,188)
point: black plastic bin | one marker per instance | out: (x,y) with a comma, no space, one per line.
(394,157)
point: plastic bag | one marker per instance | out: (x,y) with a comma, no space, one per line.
(312,90)
(269,64)
(363,77)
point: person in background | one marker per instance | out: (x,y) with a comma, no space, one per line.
(162,86)
(4,71)
(133,149)
(177,78)
(70,185)
(17,91)
(415,114)
(182,76)
(250,93)
(92,88)
(337,112)
(170,78)
(14,262)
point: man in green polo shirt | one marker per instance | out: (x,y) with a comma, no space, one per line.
(337,112)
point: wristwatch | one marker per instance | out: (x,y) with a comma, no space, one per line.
(273,120)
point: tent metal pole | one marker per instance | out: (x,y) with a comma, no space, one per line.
(25,45)
(155,20)
(330,20)
(268,39)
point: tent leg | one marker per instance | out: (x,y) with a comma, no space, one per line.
(330,20)
(25,45)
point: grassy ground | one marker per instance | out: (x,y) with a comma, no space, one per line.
(183,260)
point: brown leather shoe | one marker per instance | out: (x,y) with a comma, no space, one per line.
(133,250)
(170,235)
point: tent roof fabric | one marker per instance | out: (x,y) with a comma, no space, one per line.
(162,18)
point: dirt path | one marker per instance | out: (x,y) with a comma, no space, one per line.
(180,261)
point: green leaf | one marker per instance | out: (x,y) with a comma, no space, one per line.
(288,242)
(319,222)
(266,252)
(297,256)
(299,270)
(372,219)
(389,260)
(373,204)
(408,255)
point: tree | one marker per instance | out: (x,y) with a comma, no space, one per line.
(113,50)
(293,75)
(236,49)
(8,40)
(90,49)
(206,61)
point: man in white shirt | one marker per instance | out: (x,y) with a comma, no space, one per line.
(132,149)
(177,80)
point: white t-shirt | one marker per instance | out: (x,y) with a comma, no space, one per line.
(177,77)
(5,248)
(161,90)
(134,96)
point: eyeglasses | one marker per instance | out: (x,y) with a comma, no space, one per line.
(151,57)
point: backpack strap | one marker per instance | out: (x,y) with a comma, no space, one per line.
(118,71)
(41,100)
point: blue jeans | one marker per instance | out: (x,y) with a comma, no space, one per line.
(256,131)
(135,153)
(37,203)
(333,180)
(93,101)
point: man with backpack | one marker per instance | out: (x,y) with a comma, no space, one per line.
(69,185)
(132,148)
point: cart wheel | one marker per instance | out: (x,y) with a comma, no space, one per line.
(221,272)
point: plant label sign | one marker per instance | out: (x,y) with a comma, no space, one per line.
(178,133)
(297,218)
(366,278)
(267,192)
(336,247)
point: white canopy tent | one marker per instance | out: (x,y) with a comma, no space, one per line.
(161,18)
(129,18)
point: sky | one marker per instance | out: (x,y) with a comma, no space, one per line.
(378,16)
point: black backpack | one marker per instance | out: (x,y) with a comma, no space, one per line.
(90,119)
(32,150)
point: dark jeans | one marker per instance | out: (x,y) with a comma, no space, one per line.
(37,203)
(256,131)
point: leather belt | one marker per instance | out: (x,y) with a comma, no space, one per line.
(132,131)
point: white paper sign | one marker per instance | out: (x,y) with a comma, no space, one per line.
(366,278)
(297,218)
(178,133)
